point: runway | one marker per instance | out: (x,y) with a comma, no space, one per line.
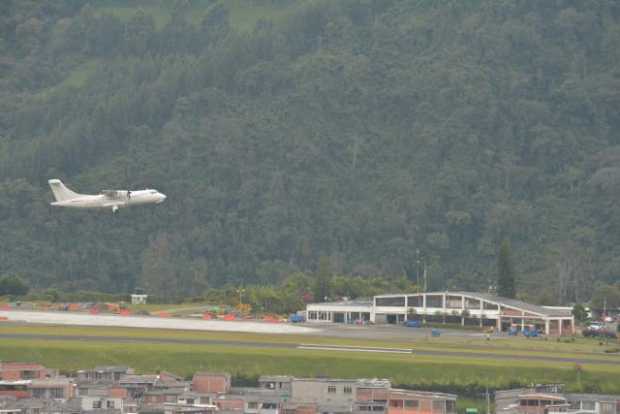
(382,332)
(378,332)
(81,319)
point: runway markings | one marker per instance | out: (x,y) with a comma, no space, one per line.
(345,348)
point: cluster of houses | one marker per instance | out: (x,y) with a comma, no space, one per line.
(33,389)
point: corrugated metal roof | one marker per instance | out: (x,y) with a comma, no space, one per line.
(542,396)
(513,303)
(424,394)
(345,303)
(591,397)
(16,382)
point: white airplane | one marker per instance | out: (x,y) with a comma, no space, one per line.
(113,199)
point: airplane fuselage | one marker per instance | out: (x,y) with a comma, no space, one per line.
(122,200)
(112,199)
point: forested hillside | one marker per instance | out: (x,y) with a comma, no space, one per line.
(285,131)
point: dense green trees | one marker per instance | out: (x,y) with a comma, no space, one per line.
(323,278)
(287,131)
(580,313)
(505,272)
(606,297)
(13,286)
(291,294)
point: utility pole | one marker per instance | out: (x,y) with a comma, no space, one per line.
(417,268)
(488,401)
(240,291)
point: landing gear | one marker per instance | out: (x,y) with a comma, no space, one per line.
(114,209)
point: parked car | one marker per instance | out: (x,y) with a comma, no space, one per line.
(295,318)
(596,326)
(413,324)
(601,332)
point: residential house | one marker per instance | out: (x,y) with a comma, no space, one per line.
(176,409)
(45,406)
(161,396)
(14,371)
(196,399)
(419,402)
(103,374)
(97,403)
(15,389)
(137,385)
(280,383)
(336,395)
(259,400)
(545,399)
(58,388)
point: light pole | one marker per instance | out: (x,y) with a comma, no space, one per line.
(240,291)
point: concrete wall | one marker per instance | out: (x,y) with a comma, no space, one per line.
(204,382)
(404,402)
(95,403)
(236,404)
(47,388)
(316,391)
(11,371)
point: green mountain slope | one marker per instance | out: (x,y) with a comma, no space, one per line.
(283,131)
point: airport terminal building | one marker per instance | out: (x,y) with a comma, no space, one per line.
(465,308)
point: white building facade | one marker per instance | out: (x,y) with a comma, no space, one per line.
(465,308)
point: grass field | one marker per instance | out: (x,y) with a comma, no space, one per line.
(180,308)
(448,372)
(569,348)
(250,362)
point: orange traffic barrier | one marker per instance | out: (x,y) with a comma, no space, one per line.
(113,307)
(94,311)
(125,312)
(229,317)
(271,319)
(163,314)
(207,316)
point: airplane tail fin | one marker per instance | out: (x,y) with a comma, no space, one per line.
(61,192)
